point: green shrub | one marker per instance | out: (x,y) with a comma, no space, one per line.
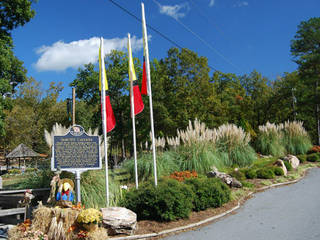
(209,192)
(28,170)
(239,175)
(278,171)
(247,184)
(169,201)
(251,173)
(302,158)
(14,171)
(314,157)
(288,165)
(265,173)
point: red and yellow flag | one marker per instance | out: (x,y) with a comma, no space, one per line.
(138,103)
(110,119)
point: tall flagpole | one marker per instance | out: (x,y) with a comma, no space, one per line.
(104,118)
(145,37)
(130,63)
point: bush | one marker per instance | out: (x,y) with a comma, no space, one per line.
(265,173)
(209,192)
(170,200)
(288,165)
(14,171)
(251,174)
(28,170)
(302,158)
(314,157)
(314,149)
(239,175)
(278,171)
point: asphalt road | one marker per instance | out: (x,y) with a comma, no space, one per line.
(286,213)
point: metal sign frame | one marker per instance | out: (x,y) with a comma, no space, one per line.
(76,131)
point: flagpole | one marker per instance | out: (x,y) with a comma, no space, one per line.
(145,36)
(104,119)
(132,111)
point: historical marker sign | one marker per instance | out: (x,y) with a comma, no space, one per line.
(76,151)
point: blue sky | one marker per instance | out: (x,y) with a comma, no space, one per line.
(237,36)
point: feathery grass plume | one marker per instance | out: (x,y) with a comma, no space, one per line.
(173,141)
(235,142)
(165,165)
(197,133)
(296,138)
(270,140)
(57,130)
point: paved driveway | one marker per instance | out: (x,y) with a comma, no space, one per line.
(285,213)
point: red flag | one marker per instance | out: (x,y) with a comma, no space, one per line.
(137,99)
(138,103)
(110,119)
(144,90)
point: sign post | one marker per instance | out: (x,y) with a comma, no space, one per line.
(76,152)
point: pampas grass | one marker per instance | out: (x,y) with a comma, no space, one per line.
(93,190)
(165,165)
(233,141)
(296,138)
(270,140)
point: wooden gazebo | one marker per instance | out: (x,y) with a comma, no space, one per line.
(21,152)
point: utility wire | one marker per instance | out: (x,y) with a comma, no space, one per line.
(153,29)
(203,41)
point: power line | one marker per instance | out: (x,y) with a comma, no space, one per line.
(203,41)
(153,29)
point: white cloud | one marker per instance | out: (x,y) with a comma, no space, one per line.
(174,11)
(241,4)
(60,55)
(211,3)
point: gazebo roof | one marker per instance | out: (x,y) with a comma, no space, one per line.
(22,151)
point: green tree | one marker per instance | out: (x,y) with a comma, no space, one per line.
(305,49)
(14,13)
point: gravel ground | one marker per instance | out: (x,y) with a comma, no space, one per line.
(285,213)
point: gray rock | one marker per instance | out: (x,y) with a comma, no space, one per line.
(293,160)
(280,163)
(232,182)
(119,220)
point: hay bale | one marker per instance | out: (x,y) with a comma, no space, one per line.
(55,222)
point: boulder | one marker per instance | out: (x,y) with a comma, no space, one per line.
(293,160)
(280,163)
(119,220)
(227,179)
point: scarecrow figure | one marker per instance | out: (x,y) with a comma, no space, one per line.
(65,194)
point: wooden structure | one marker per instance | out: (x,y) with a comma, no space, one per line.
(21,152)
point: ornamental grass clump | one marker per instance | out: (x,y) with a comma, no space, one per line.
(235,142)
(93,190)
(166,164)
(270,140)
(296,138)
